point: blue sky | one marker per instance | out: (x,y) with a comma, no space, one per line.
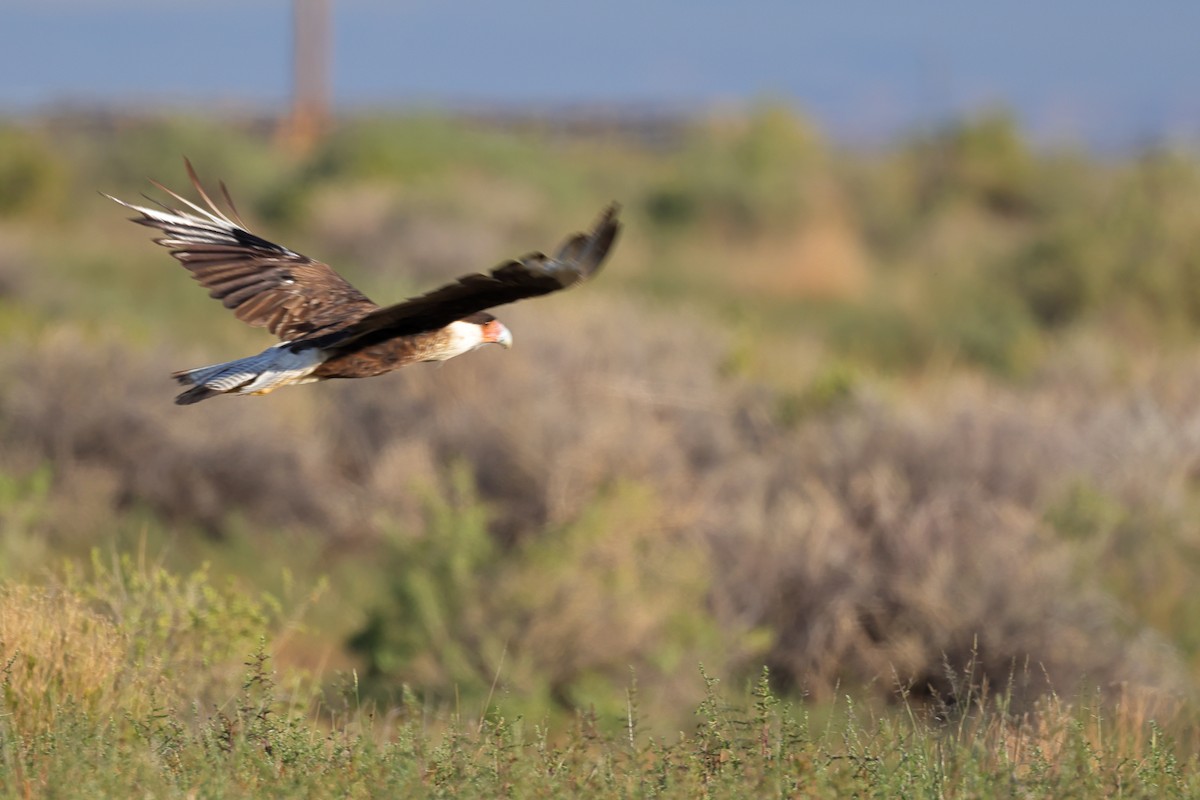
(1106,72)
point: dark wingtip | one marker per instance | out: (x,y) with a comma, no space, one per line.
(584,253)
(604,236)
(608,224)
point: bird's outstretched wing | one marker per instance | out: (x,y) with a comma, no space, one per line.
(579,257)
(265,284)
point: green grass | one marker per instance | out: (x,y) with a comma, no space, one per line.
(108,689)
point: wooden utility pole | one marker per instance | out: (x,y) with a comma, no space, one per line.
(309,117)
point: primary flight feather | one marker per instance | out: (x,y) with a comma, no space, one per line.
(329,329)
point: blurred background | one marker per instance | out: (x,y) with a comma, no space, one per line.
(892,379)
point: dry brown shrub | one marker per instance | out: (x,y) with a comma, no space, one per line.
(56,653)
(101,415)
(912,543)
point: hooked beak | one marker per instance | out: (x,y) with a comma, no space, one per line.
(497,332)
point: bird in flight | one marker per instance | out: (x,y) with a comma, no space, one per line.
(328,329)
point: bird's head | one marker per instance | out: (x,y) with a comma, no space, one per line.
(494,331)
(480,329)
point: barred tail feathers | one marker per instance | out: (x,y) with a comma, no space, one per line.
(195,395)
(258,374)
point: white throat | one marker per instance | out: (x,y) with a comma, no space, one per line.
(464,337)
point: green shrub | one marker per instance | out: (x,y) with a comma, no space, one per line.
(831,388)
(25,509)
(557,620)
(880,334)
(1058,277)
(983,162)
(32,177)
(747,176)
(988,327)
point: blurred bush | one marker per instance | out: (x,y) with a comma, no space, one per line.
(1055,277)
(982,162)
(748,175)
(98,414)
(555,621)
(33,180)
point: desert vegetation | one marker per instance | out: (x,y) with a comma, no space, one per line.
(855,471)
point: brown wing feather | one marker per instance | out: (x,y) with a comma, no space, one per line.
(264,284)
(579,257)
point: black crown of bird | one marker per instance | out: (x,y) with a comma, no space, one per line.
(327,328)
